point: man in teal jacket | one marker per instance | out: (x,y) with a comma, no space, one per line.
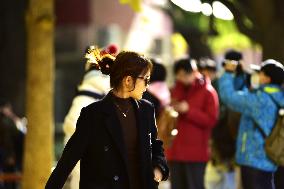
(257,107)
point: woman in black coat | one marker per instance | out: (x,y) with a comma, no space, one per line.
(116,137)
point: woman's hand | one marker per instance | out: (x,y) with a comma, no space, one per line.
(158,174)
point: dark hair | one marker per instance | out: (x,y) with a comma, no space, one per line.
(274,70)
(126,63)
(233,55)
(159,72)
(186,64)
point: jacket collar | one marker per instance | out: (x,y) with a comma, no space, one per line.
(109,107)
(270,88)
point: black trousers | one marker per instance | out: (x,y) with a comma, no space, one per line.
(256,179)
(187,175)
(279,178)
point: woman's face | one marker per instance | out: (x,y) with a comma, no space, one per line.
(141,85)
(185,77)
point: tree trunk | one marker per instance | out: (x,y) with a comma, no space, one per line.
(196,42)
(273,51)
(40,58)
(272,43)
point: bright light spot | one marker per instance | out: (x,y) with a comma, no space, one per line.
(281,112)
(159,2)
(221,11)
(188,5)
(180,46)
(206,9)
(174,132)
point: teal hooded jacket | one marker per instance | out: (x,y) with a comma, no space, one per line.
(256,107)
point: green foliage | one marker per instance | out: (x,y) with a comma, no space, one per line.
(226,34)
(228,37)
(183,18)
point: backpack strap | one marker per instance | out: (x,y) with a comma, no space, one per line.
(278,107)
(260,129)
(274,101)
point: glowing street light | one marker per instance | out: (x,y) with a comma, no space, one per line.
(221,11)
(188,5)
(206,9)
(218,9)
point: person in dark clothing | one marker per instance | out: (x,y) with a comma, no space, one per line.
(158,92)
(8,134)
(116,137)
(154,100)
(11,143)
(93,86)
(279,175)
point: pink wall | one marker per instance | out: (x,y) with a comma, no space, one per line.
(106,12)
(72,12)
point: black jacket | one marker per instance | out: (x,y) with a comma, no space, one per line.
(99,144)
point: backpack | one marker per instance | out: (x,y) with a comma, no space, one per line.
(274,143)
(166,123)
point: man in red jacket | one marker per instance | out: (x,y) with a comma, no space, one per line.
(197,103)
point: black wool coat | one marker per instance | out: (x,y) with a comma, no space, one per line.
(98,143)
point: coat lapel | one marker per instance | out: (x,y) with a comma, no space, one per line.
(113,125)
(142,127)
(144,137)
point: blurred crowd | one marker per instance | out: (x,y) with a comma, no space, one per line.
(214,121)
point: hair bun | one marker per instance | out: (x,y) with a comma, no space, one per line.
(96,59)
(106,63)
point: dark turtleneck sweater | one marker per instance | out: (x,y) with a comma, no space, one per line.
(130,135)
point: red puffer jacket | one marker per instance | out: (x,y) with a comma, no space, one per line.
(194,127)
